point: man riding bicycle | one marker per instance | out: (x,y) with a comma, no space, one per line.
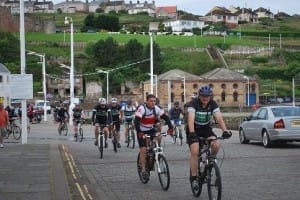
(62,116)
(200,110)
(115,117)
(145,120)
(128,113)
(174,114)
(77,116)
(100,118)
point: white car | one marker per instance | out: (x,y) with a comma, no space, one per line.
(39,104)
(271,124)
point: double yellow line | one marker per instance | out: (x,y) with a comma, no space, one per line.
(82,188)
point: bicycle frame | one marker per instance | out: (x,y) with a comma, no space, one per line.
(153,145)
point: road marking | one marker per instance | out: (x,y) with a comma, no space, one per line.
(84,193)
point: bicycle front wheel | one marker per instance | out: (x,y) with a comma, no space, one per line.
(163,172)
(100,145)
(131,139)
(139,169)
(115,141)
(80,134)
(180,137)
(174,138)
(17,132)
(214,182)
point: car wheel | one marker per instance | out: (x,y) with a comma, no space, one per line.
(266,139)
(242,137)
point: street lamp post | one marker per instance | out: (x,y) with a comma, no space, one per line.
(248,90)
(42,56)
(151,62)
(69,20)
(156,79)
(184,89)
(107,82)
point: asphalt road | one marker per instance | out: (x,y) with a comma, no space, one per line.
(248,171)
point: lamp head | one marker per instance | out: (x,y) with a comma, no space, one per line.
(66,20)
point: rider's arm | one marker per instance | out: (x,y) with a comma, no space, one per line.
(167,119)
(137,124)
(191,120)
(218,116)
(93,115)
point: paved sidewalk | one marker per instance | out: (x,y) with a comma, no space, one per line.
(32,171)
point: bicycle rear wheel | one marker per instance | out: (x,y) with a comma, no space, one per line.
(115,141)
(17,132)
(80,134)
(180,137)
(163,172)
(65,129)
(174,137)
(214,182)
(100,145)
(139,169)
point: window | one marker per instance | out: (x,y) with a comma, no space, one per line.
(252,87)
(235,86)
(223,96)
(195,86)
(235,96)
(172,85)
(211,85)
(1,79)
(182,86)
(172,97)
(182,97)
(223,86)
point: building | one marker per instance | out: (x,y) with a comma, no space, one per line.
(4,84)
(138,7)
(30,6)
(166,11)
(263,12)
(180,25)
(221,14)
(230,88)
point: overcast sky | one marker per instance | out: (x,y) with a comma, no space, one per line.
(202,7)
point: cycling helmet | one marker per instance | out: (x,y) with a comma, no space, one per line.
(129,102)
(205,91)
(102,101)
(114,100)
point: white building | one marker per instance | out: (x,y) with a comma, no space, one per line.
(180,25)
(4,84)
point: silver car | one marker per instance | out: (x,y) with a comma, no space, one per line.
(271,124)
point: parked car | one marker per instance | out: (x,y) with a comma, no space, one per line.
(271,124)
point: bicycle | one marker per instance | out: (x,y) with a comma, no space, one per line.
(208,171)
(101,139)
(79,136)
(177,132)
(155,156)
(63,128)
(131,136)
(14,129)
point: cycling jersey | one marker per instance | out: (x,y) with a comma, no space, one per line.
(175,113)
(62,114)
(100,114)
(114,113)
(128,112)
(148,116)
(77,113)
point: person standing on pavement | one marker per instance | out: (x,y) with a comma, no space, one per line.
(3,123)
(145,120)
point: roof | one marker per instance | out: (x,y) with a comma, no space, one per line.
(224,74)
(167,9)
(3,69)
(176,74)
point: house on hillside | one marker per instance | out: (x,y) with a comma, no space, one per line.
(72,6)
(221,14)
(138,7)
(113,6)
(263,12)
(246,15)
(180,25)
(282,15)
(30,6)
(166,11)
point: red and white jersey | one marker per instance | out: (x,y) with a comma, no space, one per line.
(148,116)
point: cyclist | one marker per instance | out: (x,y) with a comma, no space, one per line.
(145,120)
(174,114)
(114,117)
(100,119)
(200,111)
(62,116)
(77,116)
(128,113)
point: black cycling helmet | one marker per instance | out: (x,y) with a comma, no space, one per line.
(205,91)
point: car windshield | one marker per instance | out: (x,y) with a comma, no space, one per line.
(40,104)
(286,111)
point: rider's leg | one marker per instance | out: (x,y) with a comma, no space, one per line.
(143,152)
(194,151)
(215,146)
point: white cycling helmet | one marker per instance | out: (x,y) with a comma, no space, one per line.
(102,100)
(114,100)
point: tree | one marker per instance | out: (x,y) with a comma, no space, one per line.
(10,48)
(89,20)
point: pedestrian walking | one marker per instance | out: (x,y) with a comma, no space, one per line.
(3,123)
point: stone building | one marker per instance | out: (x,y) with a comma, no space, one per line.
(230,88)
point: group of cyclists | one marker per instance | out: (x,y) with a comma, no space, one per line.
(147,118)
